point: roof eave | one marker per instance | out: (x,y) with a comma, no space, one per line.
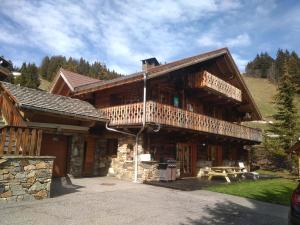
(28,107)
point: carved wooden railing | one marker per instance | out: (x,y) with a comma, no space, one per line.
(20,141)
(207,80)
(171,116)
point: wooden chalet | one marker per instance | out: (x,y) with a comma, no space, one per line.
(191,109)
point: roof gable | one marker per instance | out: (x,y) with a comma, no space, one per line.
(32,99)
(71,79)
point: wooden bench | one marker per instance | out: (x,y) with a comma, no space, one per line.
(224,173)
(218,174)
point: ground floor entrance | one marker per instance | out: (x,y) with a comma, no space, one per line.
(186,157)
(56,145)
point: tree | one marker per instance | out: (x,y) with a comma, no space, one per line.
(43,70)
(281,59)
(261,66)
(285,124)
(29,76)
(294,69)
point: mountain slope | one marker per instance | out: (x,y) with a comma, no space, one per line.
(263,92)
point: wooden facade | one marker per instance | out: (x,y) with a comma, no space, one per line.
(194,113)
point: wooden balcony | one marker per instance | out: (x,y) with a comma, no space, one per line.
(171,116)
(206,80)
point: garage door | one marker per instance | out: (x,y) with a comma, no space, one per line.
(56,145)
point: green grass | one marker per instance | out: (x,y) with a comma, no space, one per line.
(280,173)
(44,84)
(263,92)
(276,191)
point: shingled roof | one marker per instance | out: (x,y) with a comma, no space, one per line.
(170,67)
(152,72)
(32,99)
(72,79)
(75,79)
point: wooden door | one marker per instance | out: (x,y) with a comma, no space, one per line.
(89,156)
(56,145)
(187,155)
(215,155)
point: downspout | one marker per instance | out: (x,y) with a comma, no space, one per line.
(136,167)
(139,132)
(118,131)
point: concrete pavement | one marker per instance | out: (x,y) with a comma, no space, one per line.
(111,201)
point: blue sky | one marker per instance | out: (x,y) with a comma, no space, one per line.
(121,33)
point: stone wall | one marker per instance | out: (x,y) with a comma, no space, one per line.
(77,155)
(148,171)
(121,165)
(25,177)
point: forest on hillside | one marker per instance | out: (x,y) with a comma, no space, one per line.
(264,66)
(50,65)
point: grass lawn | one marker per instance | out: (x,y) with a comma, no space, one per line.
(272,190)
(280,173)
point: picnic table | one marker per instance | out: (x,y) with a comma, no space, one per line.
(225,171)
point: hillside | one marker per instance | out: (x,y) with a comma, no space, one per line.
(263,92)
(44,84)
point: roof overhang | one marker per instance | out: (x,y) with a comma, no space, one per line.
(155,72)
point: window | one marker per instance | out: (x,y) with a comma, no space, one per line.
(202,152)
(112,147)
(226,153)
(176,101)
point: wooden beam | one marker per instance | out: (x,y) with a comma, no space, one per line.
(57,126)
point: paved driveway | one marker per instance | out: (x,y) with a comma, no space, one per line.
(110,201)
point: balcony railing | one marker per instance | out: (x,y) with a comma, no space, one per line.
(20,141)
(209,81)
(171,116)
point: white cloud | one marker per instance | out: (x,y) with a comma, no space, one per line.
(240,62)
(123,32)
(216,39)
(239,40)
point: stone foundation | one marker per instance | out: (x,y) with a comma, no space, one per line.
(25,177)
(122,166)
(148,171)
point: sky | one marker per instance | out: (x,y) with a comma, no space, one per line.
(122,33)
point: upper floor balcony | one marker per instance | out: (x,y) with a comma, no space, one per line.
(158,113)
(206,80)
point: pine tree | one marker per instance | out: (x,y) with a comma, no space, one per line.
(281,59)
(285,124)
(43,70)
(29,76)
(294,70)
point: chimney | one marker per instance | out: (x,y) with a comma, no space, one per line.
(149,63)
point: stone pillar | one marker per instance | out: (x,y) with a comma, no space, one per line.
(122,166)
(77,155)
(102,159)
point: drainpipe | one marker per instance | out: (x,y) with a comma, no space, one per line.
(118,131)
(139,132)
(136,167)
